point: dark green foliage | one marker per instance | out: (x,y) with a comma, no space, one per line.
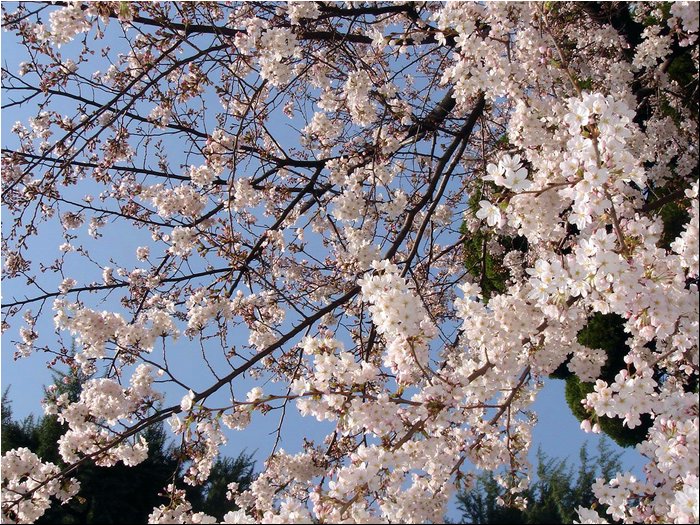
(585,84)
(607,332)
(121,494)
(562,371)
(487,268)
(479,505)
(682,70)
(664,8)
(38,436)
(553,498)
(483,266)
(478,260)
(674,217)
(211,498)
(575,391)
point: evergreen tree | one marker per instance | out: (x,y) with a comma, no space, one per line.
(211,497)
(552,498)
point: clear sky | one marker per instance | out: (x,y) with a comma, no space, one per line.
(557,433)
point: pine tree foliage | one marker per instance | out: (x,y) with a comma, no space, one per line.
(559,489)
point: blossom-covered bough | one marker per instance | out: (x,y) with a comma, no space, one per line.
(301,185)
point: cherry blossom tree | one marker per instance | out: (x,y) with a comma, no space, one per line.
(317,197)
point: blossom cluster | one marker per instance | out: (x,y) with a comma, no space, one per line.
(101,405)
(400,318)
(23,473)
(393,218)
